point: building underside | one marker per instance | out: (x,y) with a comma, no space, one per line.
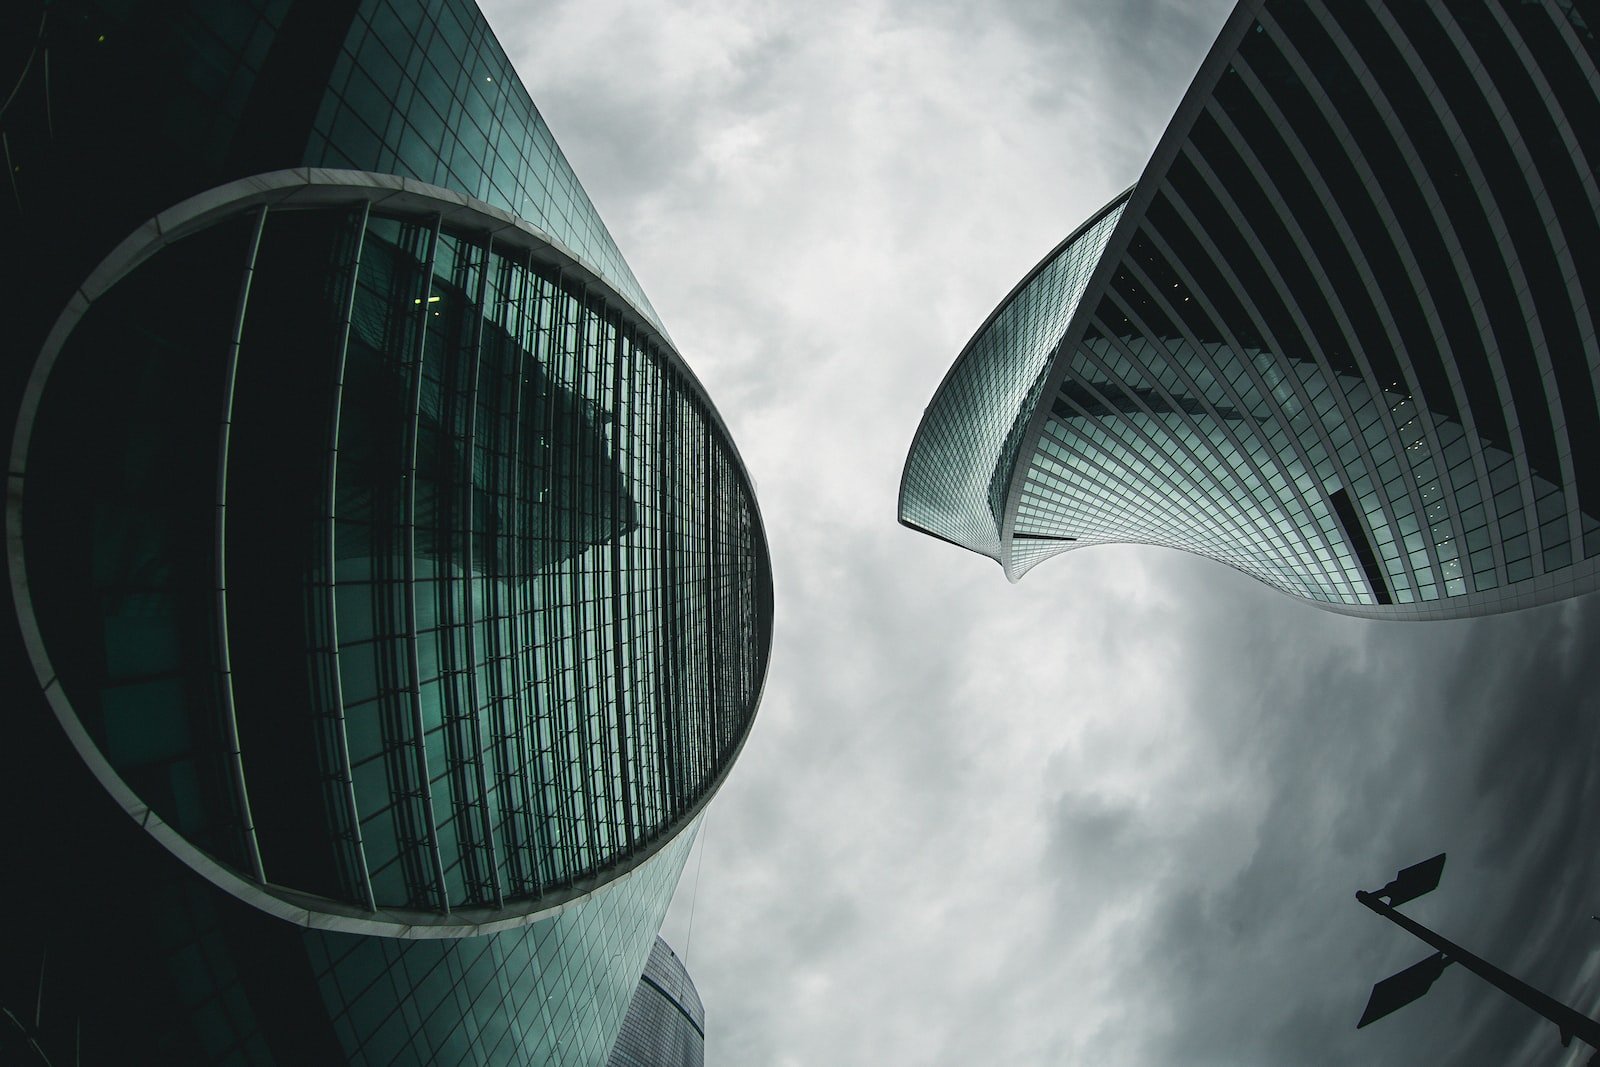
(1339,335)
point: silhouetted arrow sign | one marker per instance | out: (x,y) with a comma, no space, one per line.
(1398,990)
(1401,989)
(1413,882)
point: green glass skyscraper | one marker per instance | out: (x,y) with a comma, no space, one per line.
(369,539)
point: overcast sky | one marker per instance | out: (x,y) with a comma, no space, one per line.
(1116,814)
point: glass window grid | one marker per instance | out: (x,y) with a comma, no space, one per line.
(1125,370)
(1376,221)
(1433,146)
(1104,459)
(1219,455)
(1449,136)
(1388,149)
(1261,376)
(552,992)
(1572,235)
(1429,513)
(1262,468)
(1248,383)
(391,109)
(965,430)
(533,599)
(1278,321)
(665,1022)
(589,755)
(728,561)
(1327,326)
(1549,317)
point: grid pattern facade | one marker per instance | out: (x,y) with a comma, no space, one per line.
(423,89)
(554,992)
(666,1023)
(1347,345)
(379,554)
(965,433)
(505,561)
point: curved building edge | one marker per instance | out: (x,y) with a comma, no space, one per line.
(1577,578)
(967,354)
(1172,140)
(317,187)
(966,350)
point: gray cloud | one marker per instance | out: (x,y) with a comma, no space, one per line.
(1477,738)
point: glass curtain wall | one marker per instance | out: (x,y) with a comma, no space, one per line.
(463,509)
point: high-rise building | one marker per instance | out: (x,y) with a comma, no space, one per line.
(666,1023)
(1340,335)
(370,543)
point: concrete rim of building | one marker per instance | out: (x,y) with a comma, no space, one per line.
(311,187)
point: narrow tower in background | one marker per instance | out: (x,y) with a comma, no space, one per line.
(666,1023)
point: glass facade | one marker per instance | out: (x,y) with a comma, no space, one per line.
(965,434)
(423,89)
(555,992)
(1342,338)
(374,546)
(438,592)
(180,98)
(666,1023)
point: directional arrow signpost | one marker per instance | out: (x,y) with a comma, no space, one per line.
(1400,989)
(1414,881)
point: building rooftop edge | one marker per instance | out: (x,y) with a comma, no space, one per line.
(966,350)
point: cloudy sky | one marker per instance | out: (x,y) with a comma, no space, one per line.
(1113,815)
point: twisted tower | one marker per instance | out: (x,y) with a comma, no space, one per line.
(1340,335)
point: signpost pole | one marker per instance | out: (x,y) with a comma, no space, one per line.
(1570,1022)
(1401,989)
